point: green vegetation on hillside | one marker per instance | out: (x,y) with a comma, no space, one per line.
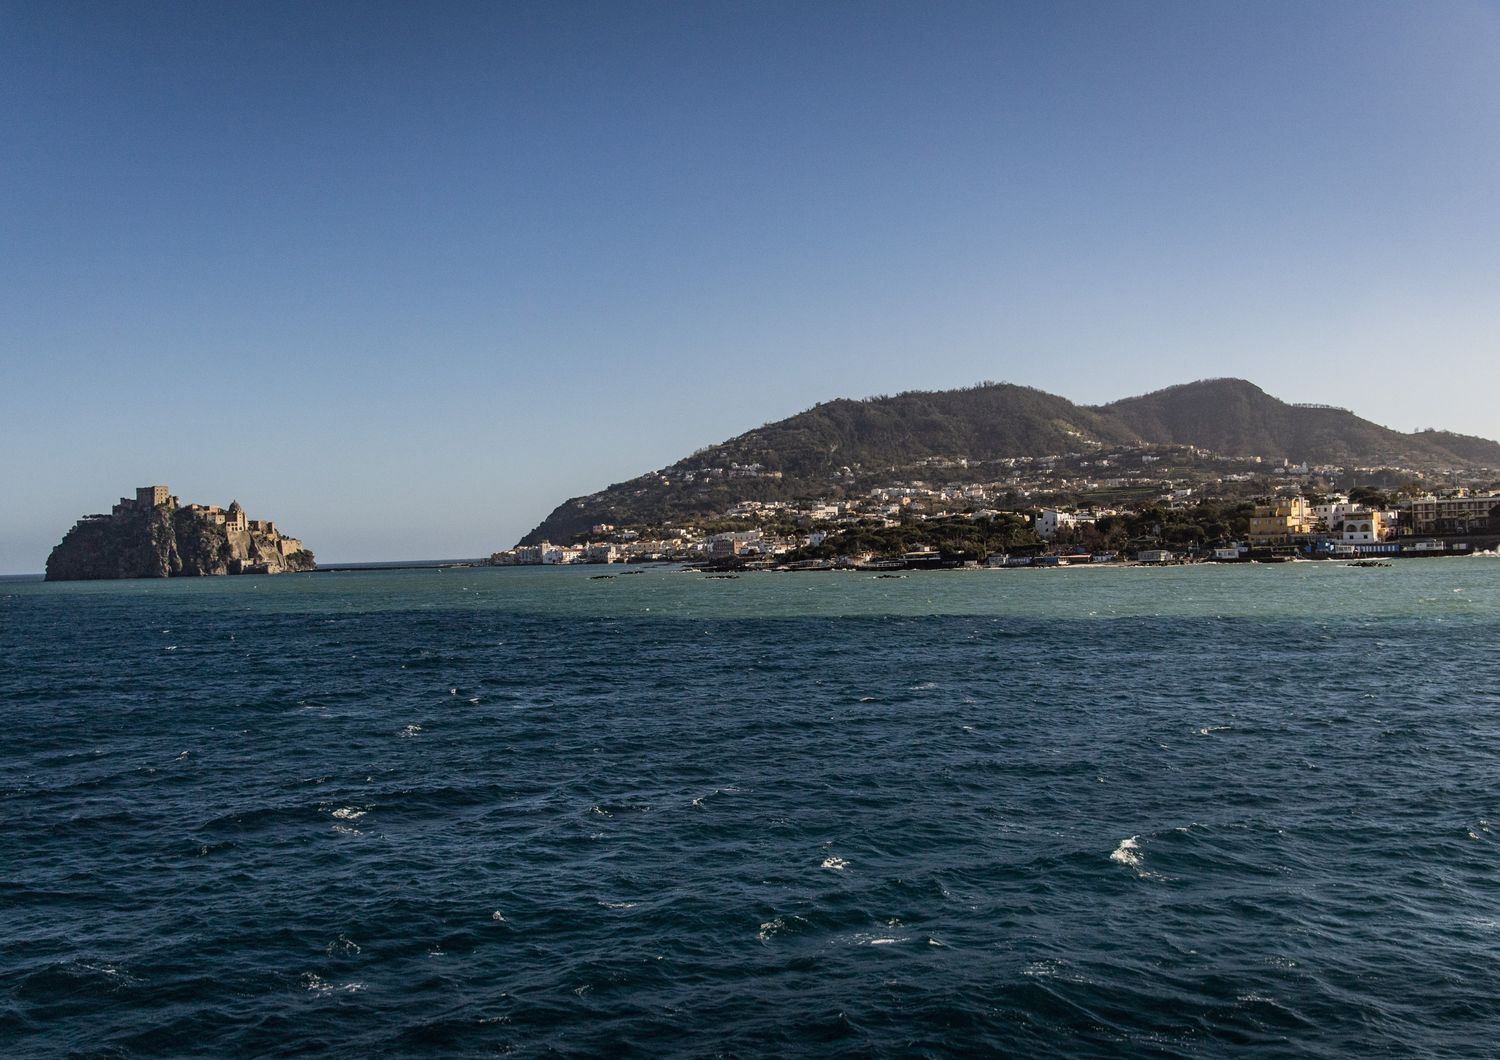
(954,538)
(842,448)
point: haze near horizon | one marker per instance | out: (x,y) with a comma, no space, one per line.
(403,279)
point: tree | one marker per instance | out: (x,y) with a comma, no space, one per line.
(1369,497)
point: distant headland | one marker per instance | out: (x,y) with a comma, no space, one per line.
(1008,474)
(1025,447)
(153,535)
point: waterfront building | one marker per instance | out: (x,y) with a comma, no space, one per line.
(1461,512)
(1280,523)
(1362,528)
(726,546)
(1332,511)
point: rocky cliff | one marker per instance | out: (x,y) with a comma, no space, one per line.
(166,541)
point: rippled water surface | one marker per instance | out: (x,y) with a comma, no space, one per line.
(1094,812)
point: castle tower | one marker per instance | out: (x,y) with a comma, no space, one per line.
(151,496)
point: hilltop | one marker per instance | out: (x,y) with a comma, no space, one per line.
(838,445)
(1235,418)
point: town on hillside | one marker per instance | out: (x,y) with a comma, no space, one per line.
(1146,504)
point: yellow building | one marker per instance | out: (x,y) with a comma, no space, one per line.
(1281,523)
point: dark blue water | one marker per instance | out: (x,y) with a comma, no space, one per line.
(1092,813)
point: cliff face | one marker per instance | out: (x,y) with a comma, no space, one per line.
(167,542)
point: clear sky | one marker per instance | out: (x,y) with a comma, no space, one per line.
(404,276)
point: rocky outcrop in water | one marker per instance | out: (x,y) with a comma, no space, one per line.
(155,537)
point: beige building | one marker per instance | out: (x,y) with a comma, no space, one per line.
(1281,522)
(146,498)
(1460,513)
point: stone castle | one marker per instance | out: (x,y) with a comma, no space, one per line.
(154,535)
(232,519)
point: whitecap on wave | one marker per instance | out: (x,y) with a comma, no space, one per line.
(318,985)
(114,973)
(1053,969)
(717,791)
(343,946)
(836,864)
(1128,853)
(775,926)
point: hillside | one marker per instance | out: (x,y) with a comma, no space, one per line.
(845,445)
(830,447)
(982,423)
(1236,418)
(1465,448)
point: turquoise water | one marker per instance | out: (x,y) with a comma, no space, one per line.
(1087,811)
(1314,592)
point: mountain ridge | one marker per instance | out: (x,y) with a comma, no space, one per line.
(845,439)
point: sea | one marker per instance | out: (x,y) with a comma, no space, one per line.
(1081,812)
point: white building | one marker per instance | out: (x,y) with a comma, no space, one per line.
(1332,512)
(1050,521)
(1362,528)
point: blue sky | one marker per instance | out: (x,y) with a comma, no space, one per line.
(403,277)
